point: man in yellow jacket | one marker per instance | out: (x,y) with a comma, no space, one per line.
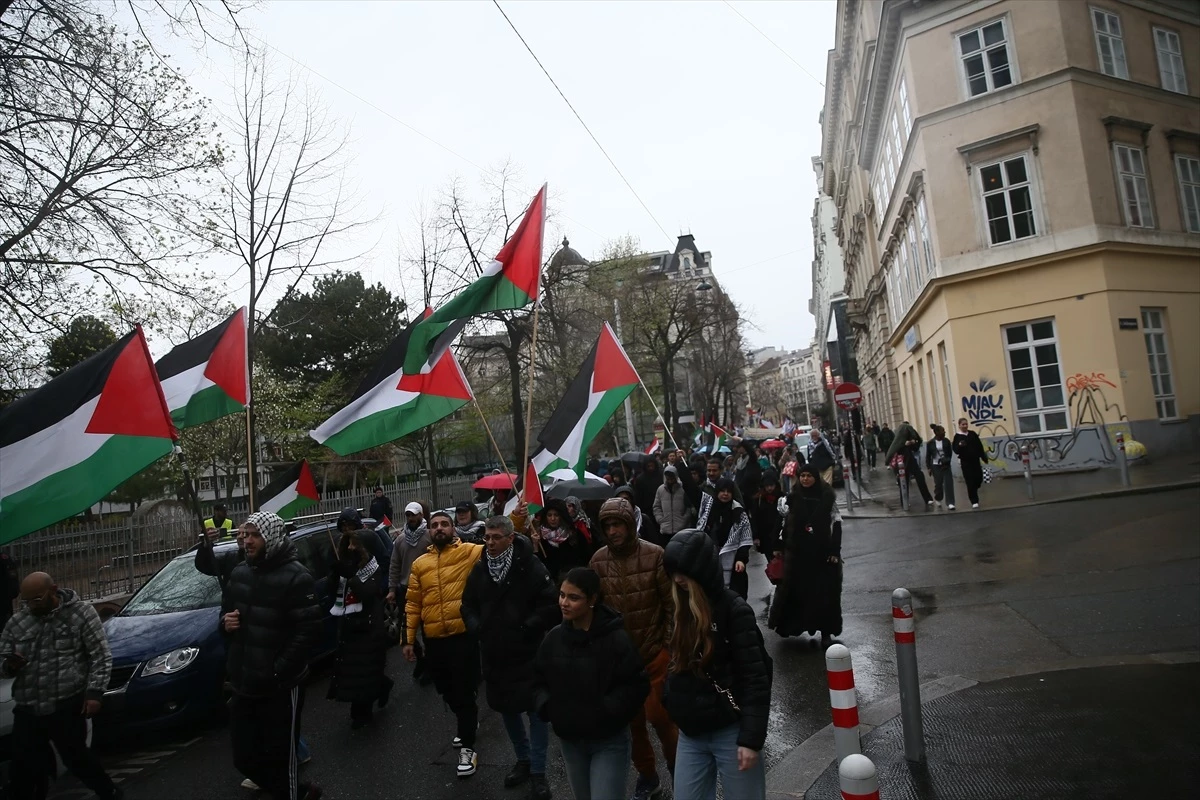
(434,602)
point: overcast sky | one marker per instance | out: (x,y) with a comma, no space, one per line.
(712,124)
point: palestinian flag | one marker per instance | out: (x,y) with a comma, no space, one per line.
(206,378)
(68,444)
(532,490)
(654,446)
(606,378)
(720,437)
(390,404)
(509,282)
(291,492)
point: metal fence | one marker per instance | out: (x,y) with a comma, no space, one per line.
(114,557)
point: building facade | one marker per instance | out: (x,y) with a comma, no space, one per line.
(828,273)
(802,387)
(1017,193)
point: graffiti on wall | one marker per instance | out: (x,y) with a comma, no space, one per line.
(982,406)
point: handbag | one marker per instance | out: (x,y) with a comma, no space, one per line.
(987,474)
(775,570)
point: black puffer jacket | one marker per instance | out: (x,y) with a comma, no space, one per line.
(589,684)
(739,661)
(280,619)
(510,618)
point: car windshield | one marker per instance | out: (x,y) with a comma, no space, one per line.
(179,586)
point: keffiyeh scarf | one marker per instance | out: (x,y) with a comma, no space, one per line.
(346,601)
(554,536)
(411,535)
(498,565)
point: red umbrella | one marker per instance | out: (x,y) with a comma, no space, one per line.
(494,482)
(773,444)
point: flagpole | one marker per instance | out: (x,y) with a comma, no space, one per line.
(249,461)
(491,438)
(532,375)
(666,427)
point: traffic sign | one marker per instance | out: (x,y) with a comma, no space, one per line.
(847,395)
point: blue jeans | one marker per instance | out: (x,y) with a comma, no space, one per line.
(598,769)
(530,747)
(699,759)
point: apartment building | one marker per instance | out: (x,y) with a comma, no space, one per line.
(1017,191)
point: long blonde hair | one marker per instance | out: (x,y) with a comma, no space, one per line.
(689,644)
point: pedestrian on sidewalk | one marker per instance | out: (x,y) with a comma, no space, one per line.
(937,460)
(886,436)
(412,542)
(55,648)
(871,445)
(728,526)
(718,690)
(272,625)
(433,603)
(637,587)
(765,522)
(360,661)
(590,684)
(906,445)
(821,456)
(809,598)
(971,457)
(509,602)
(381,507)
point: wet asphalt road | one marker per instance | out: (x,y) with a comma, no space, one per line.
(994,590)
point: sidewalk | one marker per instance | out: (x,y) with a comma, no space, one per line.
(881,493)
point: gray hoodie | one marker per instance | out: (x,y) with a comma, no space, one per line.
(671,507)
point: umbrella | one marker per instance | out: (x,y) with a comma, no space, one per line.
(586,489)
(634,457)
(568,474)
(723,449)
(773,444)
(494,482)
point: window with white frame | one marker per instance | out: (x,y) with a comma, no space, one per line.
(1188,170)
(949,389)
(1170,60)
(1135,187)
(206,484)
(914,258)
(1154,329)
(1008,200)
(1035,377)
(926,238)
(906,289)
(904,110)
(1110,47)
(985,59)
(898,139)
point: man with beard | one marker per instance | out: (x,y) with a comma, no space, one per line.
(434,602)
(273,623)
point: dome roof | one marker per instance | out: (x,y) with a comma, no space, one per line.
(568,257)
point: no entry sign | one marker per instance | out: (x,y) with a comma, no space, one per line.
(847,395)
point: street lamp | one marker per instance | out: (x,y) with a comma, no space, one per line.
(704,286)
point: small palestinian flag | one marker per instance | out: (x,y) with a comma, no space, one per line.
(206,378)
(390,404)
(509,282)
(654,446)
(606,378)
(533,490)
(720,437)
(291,492)
(68,444)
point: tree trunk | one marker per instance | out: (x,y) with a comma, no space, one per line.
(432,466)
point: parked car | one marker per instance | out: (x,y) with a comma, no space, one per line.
(168,651)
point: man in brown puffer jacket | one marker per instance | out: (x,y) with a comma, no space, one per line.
(634,583)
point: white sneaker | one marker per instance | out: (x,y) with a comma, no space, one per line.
(929,502)
(974,505)
(249,784)
(467,761)
(456,742)
(950,506)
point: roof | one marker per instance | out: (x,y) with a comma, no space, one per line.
(670,262)
(567,256)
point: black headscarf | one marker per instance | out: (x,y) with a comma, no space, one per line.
(722,515)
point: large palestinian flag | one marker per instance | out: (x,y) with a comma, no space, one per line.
(291,492)
(509,282)
(206,378)
(390,404)
(68,444)
(606,378)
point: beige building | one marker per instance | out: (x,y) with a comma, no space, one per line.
(1018,201)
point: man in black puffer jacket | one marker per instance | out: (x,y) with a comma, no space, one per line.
(273,621)
(720,702)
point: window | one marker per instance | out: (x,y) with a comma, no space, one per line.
(898,139)
(904,109)
(984,53)
(906,287)
(933,382)
(921,386)
(1008,200)
(206,484)
(1109,45)
(926,240)
(1135,188)
(946,371)
(1160,364)
(1188,169)
(1035,377)
(1170,61)
(914,255)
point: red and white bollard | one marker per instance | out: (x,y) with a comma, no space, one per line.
(906,671)
(857,778)
(842,700)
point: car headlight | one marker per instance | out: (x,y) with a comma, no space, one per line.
(172,662)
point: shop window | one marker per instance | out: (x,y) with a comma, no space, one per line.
(1154,329)
(1188,169)
(985,59)
(1008,200)
(1135,186)
(1110,47)
(1170,61)
(1036,377)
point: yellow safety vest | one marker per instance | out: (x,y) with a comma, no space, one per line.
(226,526)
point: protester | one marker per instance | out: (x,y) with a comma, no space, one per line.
(581,521)
(871,444)
(746,472)
(219,523)
(886,436)
(55,650)
(361,657)
(907,444)
(434,602)
(809,598)
(381,507)
(272,625)
(671,508)
(712,475)
(509,602)
(820,456)
(718,689)
(590,685)
(627,493)
(765,522)
(556,540)
(636,586)
(500,498)
(467,524)
(411,543)
(971,457)
(937,461)
(728,526)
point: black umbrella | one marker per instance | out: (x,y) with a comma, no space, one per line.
(586,489)
(634,457)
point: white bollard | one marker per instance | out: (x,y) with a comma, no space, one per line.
(857,778)
(842,700)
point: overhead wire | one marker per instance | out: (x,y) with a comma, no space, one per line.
(773,43)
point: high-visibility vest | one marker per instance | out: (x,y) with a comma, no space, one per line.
(226,527)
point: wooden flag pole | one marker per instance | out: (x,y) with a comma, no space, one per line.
(532,375)
(666,427)
(249,462)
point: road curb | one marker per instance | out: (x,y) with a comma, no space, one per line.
(796,772)
(1190,483)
